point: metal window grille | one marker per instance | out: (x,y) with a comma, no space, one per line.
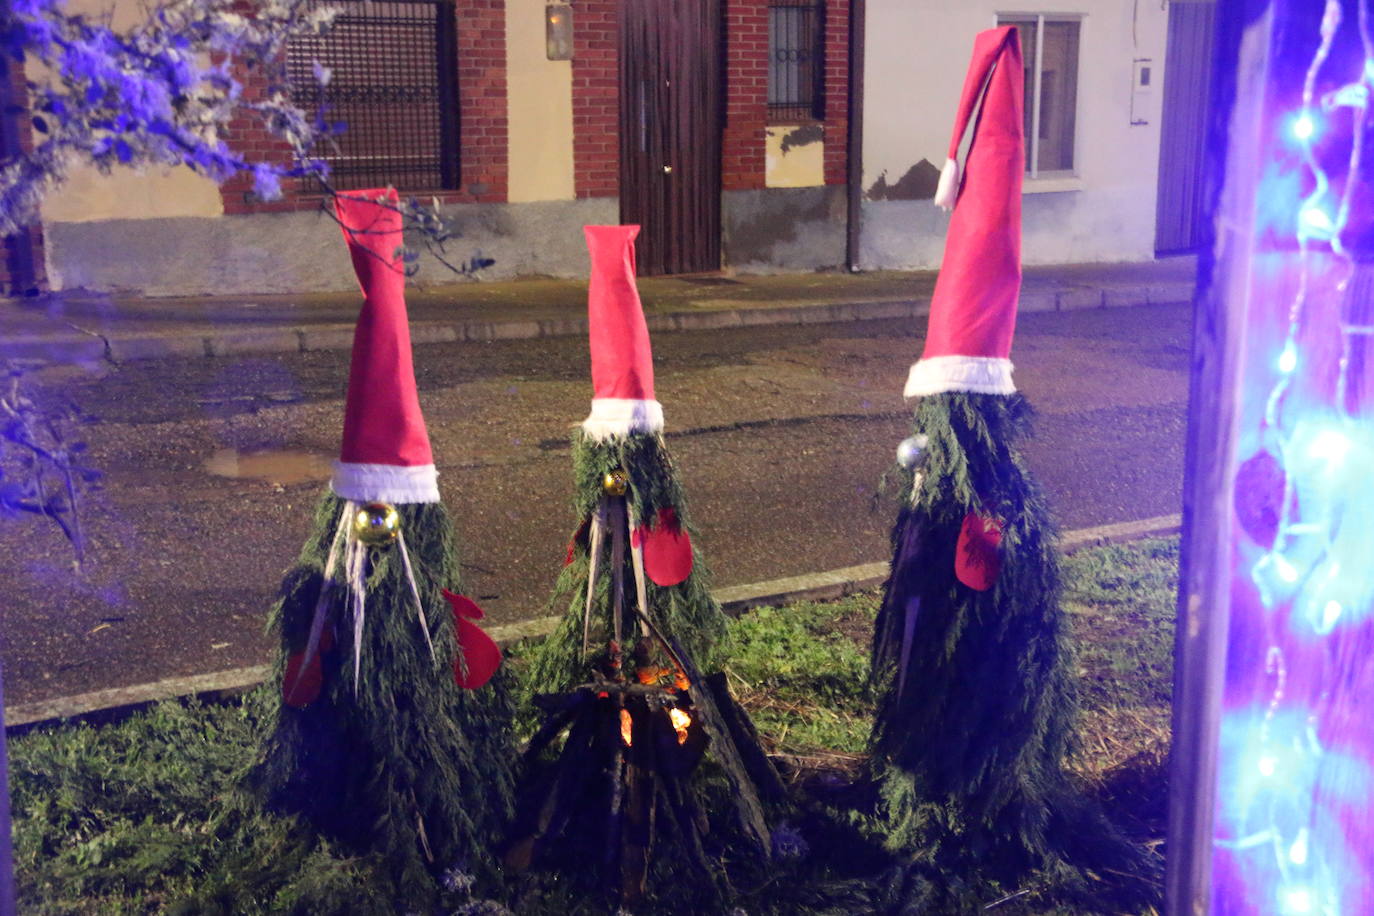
(393,82)
(795,64)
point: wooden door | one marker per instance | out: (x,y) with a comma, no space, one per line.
(1187,76)
(670,121)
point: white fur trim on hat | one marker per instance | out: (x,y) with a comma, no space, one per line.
(947,189)
(979,374)
(386,483)
(622,416)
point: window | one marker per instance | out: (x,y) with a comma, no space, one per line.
(393,82)
(795,65)
(1049,45)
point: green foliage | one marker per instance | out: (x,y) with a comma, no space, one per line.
(685,611)
(970,749)
(133,816)
(624,823)
(401,762)
(984,715)
(144,816)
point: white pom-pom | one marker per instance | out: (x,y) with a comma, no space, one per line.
(947,191)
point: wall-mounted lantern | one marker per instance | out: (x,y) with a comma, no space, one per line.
(558,31)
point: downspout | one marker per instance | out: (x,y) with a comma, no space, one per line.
(854,153)
(18,248)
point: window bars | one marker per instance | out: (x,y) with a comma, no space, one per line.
(795,60)
(393,78)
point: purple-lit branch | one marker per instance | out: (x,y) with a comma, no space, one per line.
(164,92)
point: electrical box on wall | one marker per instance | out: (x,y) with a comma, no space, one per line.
(1142,90)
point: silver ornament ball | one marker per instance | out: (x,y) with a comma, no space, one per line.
(909,450)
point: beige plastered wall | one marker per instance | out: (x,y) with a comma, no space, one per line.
(794,156)
(88,195)
(917,52)
(539,109)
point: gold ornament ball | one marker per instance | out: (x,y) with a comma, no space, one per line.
(377,524)
(615,483)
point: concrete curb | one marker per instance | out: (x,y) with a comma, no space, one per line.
(835,583)
(85,345)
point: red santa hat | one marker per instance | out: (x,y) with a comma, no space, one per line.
(622,363)
(973,310)
(385,455)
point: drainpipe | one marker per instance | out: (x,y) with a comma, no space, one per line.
(17,250)
(854,153)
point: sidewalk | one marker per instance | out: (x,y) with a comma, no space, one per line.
(80,327)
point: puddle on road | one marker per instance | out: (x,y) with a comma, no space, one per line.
(283,467)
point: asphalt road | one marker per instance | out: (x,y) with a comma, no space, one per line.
(781,434)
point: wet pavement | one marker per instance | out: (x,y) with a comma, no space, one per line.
(212,467)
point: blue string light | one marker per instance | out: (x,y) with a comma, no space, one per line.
(1295,773)
(1304,126)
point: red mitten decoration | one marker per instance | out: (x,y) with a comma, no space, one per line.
(667,548)
(579,535)
(479,655)
(301,684)
(977,560)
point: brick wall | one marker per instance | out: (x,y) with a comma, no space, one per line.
(836,91)
(596,99)
(21,255)
(248,138)
(746,75)
(483,124)
(483,138)
(746,94)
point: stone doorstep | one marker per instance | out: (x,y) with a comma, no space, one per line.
(735,600)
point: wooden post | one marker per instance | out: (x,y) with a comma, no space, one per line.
(1273,759)
(1213,403)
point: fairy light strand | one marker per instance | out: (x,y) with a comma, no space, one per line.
(1300,577)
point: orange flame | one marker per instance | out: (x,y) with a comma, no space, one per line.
(648,674)
(681,721)
(626,727)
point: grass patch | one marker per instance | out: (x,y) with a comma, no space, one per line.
(801,671)
(143,815)
(1120,601)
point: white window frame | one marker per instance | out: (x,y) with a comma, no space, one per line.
(1034,173)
